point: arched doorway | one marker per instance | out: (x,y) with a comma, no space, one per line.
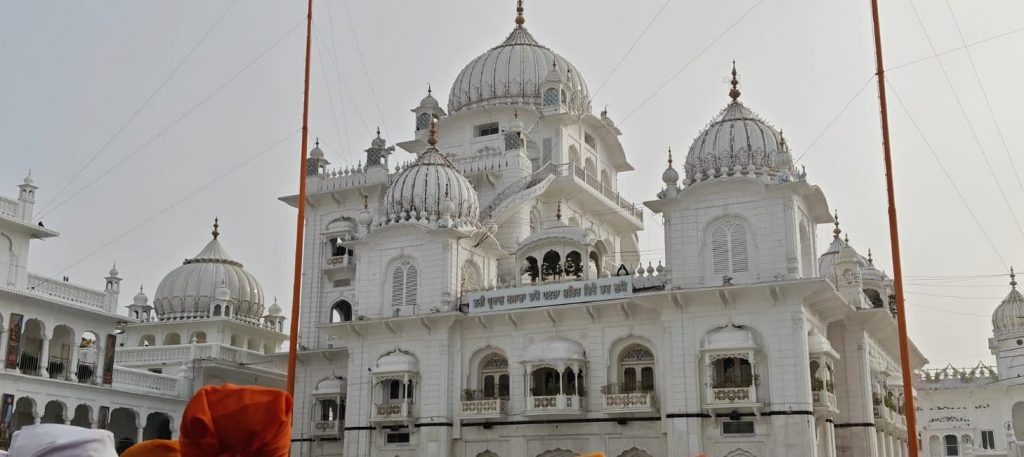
(124,426)
(32,358)
(59,358)
(83,416)
(158,427)
(53,413)
(24,413)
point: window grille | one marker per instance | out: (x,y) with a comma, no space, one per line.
(551,97)
(423,121)
(729,252)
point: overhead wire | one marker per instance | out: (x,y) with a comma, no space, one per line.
(967,119)
(952,50)
(341,79)
(630,50)
(330,98)
(984,96)
(141,107)
(179,201)
(362,61)
(175,122)
(949,178)
(835,118)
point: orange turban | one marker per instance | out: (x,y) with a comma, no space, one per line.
(154,448)
(232,420)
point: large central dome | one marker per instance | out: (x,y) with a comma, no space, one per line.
(511,73)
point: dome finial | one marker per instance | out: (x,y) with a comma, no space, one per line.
(1013,279)
(836,231)
(429,89)
(846,238)
(670,156)
(871,260)
(216,228)
(316,143)
(520,20)
(432,140)
(734,93)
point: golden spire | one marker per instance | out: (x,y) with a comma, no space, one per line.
(216,227)
(734,93)
(520,20)
(1013,279)
(670,156)
(432,139)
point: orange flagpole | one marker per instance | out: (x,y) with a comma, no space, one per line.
(894,238)
(293,332)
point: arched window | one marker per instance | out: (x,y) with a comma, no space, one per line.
(328,409)
(494,377)
(594,264)
(147,340)
(172,338)
(732,372)
(546,382)
(422,121)
(227,310)
(530,271)
(574,154)
(729,248)
(198,337)
(951,444)
(341,312)
(552,267)
(470,277)
(404,284)
(574,264)
(551,97)
(636,366)
(216,310)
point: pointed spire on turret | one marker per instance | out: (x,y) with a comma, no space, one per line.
(871,261)
(520,20)
(216,228)
(432,139)
(670,156)
(846,238)
(836,231)
(558,213)
(430,91)
(1013,279)
(734,93)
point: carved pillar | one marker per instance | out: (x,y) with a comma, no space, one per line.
(44,357)
(72,374)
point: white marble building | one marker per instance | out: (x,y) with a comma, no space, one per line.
(979,410)
(207,327)
(488,299)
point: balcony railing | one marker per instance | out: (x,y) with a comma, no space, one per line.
(826,400)
(628,398)
(886,417)
(391,412)
(86,373)
(555,404)
(485,409)
(632,209)
(326,428)
(68,292)
(149,355)
(147,382)
(732,395)
(8,207)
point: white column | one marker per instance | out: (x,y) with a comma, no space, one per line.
(44,357)
(98,369)
(72,374)
(880,444)
(3,346)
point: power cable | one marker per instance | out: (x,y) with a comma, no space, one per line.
(181,200)
(949,178)
(341,79)
(362,60)
(630,50)
(967,119)
(175,122)
(693,59)
(984,95)
(835,118)
(948,51)
(330,100)
(141,107)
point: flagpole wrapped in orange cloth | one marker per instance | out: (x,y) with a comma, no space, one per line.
(234,420)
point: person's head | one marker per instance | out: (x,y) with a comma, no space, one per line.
(234,421)
(58,440)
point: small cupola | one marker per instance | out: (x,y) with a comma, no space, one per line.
(378,152)
(316,164)
(428,110)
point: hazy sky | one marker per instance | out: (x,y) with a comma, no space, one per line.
(72,74)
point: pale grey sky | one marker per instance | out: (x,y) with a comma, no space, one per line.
(72,73)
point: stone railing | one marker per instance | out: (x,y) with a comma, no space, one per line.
(325,428)
(554,404)
(61,290)
(732,395)
(825,399)
(181,353)
(580,173)
(133,380)
(391,412)
(629,402)
(8,207)
(485,408)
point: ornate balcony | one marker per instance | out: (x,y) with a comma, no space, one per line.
(554,404)
(326,428)
(391,413)
(887,418)
(732,395)
(617,400)
(485,409)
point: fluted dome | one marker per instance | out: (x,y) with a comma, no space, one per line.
(1009,315)
(186,292)
(737,137)
(555,348)
(512,72)
(421,189)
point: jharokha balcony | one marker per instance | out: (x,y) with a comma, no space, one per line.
(554,404)
(621,398)
(391,412)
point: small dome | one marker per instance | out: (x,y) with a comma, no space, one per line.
(426,184)
(275,309)
(555,348)
(113,271)
(140,298)
(1009,315)
(670,177)
(28,179)
(429,101)
(396,361)
(186,292)
(512,72)
(222,293)
(316,152)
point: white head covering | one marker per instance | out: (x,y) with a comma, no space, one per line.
(58,440)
